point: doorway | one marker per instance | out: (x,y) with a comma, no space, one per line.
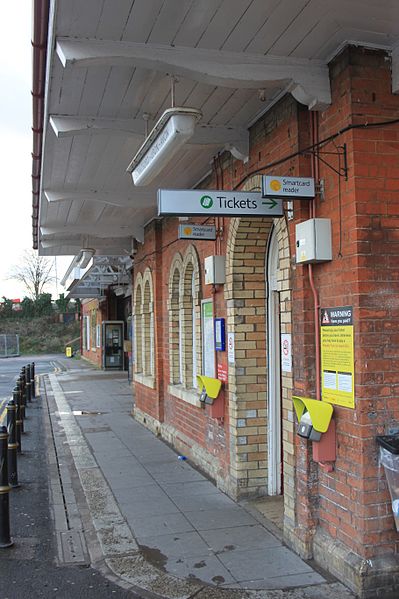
(275,486)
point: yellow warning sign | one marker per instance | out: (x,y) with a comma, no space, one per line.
(337,356)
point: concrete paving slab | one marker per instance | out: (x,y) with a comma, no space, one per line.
(189,488)
(253,564)
(149,492)
(131,480)
(204,502)
(287,581)
(239,538)
(121,466)
(113,454)
(227,517)
(187,544)
(148,508)
(171,472)
(207,566)
(170,523)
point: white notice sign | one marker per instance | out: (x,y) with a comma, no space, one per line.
(287,187)
(208,339)
(189,231)
(286,352)
(230,348)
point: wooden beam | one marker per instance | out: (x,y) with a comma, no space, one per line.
(66,126)
(142,199)
(72,245)
(307,80)
(234,139)
(97,230)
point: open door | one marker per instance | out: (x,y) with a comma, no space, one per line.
(273,372)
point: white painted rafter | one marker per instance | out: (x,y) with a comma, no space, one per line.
(306,79)
(234,139)
(74,244)
(66,126)
(143,199)
(99,230)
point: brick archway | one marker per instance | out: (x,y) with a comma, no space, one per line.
(246,294)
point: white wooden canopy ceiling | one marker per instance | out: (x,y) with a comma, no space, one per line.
(110,62)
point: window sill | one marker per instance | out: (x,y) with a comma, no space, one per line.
(188,395)
(147,381)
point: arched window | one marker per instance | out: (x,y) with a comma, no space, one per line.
(148,326)
(138,337)
(184,324)
(143,329)
(175,323)
(188,318)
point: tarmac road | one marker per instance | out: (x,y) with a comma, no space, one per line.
(10,369)
(29,568)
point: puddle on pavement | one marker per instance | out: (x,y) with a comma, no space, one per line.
(154,556)
(87,413)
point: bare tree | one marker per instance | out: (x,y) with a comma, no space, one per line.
(34,272)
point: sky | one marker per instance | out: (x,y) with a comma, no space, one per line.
(16,146)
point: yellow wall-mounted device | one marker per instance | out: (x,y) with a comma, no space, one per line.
(320,412)
(210,388)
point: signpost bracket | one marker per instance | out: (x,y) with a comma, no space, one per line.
(341,152)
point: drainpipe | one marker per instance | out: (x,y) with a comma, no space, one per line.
(39,46)
(313,117)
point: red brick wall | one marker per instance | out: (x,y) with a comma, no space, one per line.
(94,354)
(350,503)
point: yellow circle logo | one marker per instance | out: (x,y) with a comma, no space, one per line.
(275,185)
(188,230)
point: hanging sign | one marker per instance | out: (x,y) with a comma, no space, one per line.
(188,231)
(337,356)
(288,187)
(206,202)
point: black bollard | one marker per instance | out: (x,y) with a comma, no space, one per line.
(32,380)
(23,384)
(28,392)
(5,538)
(12,444)
(18,419)
(28,385)
(22,402)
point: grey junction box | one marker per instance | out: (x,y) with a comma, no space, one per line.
(313,241)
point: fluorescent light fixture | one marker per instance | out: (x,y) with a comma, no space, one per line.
(79,263)
(171,132)
(86,254)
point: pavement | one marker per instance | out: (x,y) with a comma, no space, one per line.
(106,509)
(124,504)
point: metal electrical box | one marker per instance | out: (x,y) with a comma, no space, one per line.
(215,270)
(313,241)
